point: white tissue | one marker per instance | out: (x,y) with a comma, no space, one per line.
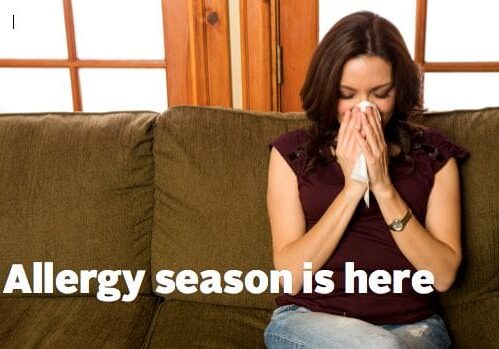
(359,172)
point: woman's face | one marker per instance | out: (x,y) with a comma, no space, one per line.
(367,78)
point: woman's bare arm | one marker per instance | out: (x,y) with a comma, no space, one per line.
(437,247)
(292,245)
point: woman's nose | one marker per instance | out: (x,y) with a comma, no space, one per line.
(358,100)
(363,98)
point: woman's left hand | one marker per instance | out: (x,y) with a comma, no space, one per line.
(372,142)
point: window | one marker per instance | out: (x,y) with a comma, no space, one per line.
(98,55)
(82,55)
(400,13)
(453,41)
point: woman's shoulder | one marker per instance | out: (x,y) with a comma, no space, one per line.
(290,142)
(437,146)
(291,146)
(293,138)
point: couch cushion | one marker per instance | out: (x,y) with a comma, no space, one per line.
(74,322)
(182,324)
(471,306)
(210,199)
(77,190)
(474,324)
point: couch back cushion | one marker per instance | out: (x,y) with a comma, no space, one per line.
(476,131)
(76,190)
(471,306)
(210,202)
(210,199)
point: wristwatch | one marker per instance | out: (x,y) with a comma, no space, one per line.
(400,223)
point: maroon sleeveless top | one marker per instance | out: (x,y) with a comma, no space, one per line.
(367,241)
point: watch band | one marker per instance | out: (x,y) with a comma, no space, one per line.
(400,223)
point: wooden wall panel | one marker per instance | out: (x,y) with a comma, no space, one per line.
(258,55)
(217,38)
(197,51)
(198,78)
(275,41)
(299,30)
(176,28)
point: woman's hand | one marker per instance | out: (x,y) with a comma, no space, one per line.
(371,140)
(348,149)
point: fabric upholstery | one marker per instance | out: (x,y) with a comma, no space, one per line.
(471,306)
(205,218)
(76,190)
(74,322)
(187,190)
(210,207)
(184,324)
(474,324)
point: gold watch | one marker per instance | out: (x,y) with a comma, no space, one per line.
(400,223)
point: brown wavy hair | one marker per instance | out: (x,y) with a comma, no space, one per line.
(361,33)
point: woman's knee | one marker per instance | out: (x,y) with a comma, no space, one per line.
(282,331)
(298,327)
(388,341)
(428,333)
(279,341)
(289,338)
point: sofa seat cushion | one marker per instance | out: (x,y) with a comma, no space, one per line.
(185,324)
(71,322)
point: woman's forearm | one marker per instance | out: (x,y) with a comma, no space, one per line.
(424,251)
(320,241)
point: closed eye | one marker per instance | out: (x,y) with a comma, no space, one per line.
(383,95)
(342,96)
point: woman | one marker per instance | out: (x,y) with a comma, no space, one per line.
(318,214)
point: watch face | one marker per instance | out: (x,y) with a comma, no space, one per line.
(397,225)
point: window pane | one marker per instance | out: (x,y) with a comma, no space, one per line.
(118,29)
(123,89)
(462,31)
(401,13)
(39,30)
(448,91)
(35,90)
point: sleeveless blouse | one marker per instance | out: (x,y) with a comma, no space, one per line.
(367,240)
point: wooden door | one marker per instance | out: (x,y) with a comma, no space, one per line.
(278,39)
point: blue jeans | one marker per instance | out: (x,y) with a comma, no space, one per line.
(293,326)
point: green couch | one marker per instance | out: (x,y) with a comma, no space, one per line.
(186,190)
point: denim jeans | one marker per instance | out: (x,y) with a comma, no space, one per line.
(293,326)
